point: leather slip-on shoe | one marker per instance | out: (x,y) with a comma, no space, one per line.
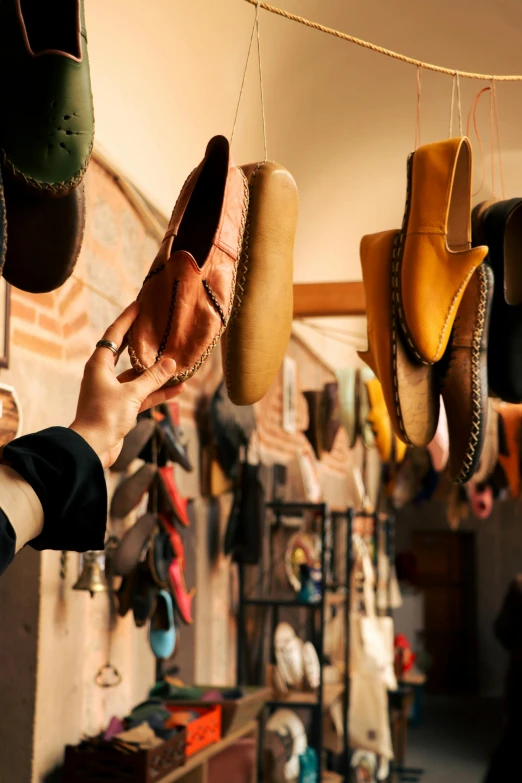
(464,381)
(182,596)
(132,544)
(44,238)
(499,226)
(409,388)
(47,118)
(133,443)
(162,632)
(131,490)
(379,419)
(433,259)
(257,336)
(186,298)
(170,496)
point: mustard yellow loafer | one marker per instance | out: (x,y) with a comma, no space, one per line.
(432,258)
(379,420)
(409,388)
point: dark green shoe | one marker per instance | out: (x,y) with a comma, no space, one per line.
(46,118)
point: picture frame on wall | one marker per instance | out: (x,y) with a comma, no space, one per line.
(5,308)
(289,395)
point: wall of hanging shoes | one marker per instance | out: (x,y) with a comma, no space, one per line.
(295,637)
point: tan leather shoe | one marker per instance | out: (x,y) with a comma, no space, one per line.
(464,377)
(410,388)
(256,339)
(379,420)
(186,298)
(433,258)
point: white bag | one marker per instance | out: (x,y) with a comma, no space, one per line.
(368,722)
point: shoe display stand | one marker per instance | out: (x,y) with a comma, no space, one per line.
(334,589)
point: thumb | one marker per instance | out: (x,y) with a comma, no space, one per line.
(154,378)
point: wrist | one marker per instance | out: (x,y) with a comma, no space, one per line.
(92,437)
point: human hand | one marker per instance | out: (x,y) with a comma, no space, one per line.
(109,404)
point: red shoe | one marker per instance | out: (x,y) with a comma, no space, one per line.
(175,539)
(171,497)
(181,596)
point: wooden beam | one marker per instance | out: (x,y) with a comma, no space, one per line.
(322,299)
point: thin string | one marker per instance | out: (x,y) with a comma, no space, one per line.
(381,50)
(499,146)
(244,75)
(459,103)
(261,81)
(492,141)
(450,134)
(472,114)
(418,120)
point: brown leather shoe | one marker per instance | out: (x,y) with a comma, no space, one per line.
(186,298)
(464,377)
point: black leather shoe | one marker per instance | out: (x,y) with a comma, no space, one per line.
(171,435)
(498,224)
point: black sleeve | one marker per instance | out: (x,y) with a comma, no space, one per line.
(7,542)
(68,478)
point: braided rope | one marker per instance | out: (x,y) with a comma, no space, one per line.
(382,50)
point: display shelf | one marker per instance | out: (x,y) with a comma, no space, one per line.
(331,777)
(331,692)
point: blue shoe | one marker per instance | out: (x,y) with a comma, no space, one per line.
(162,635)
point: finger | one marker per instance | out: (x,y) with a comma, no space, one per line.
(154,378)
(162,395)
(128,375)
(116,333)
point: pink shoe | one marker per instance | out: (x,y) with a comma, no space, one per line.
(171,495)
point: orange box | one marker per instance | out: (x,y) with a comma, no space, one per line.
(201,732)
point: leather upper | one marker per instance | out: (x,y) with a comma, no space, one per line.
(47,120)
(464,384)
(416,396)
(185,303)
(437,260)
(500,227)
(379,419)
(256,339)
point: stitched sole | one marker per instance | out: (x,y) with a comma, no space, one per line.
(478,393)
(398,253)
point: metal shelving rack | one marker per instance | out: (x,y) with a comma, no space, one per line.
(332,589)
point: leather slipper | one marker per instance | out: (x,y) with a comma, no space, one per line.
(44,238)
(159,556)
(129,493)
(47,118)
(128,551)
(410,389)
(144,595)
(464,377)
(170,497)
(186,298)
(133,443)
(162,633)
(257,336)
(167,420)
(182,597)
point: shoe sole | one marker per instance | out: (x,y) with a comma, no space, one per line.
(479,384)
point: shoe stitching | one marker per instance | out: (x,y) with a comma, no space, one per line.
(476,387)
(213,298)
(62,188)
(173,298)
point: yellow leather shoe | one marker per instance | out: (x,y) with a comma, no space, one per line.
(379,420)
(409,388)
(433,259)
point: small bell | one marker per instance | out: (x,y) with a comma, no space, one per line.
(91,577)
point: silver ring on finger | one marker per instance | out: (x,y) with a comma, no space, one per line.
(108,344)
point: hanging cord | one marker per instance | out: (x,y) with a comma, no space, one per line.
(381,50)
(472,114)
(499,147)
(418,118)
(455,87)
(255,29)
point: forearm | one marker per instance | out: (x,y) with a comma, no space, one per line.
(20,504)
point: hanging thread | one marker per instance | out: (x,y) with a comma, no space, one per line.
(499,147)
(381,50)
(418,119)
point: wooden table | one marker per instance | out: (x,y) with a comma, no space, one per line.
(195,769)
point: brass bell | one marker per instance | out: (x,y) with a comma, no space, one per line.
(91,577)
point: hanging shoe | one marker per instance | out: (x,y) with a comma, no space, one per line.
(490,450)
(159,557)
(379,420)
(439,447)
(464,382)
(162,634)
(409,388)
(256,339)
(144,595)
(132,544)
(183,598)
(363,427)
(170,497)
(186,298)
(509,453)
(432,258)
(167,420)
(47,120)
(133,443)
(129,493)
(499,225)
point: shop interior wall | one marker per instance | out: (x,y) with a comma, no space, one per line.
(498,543)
